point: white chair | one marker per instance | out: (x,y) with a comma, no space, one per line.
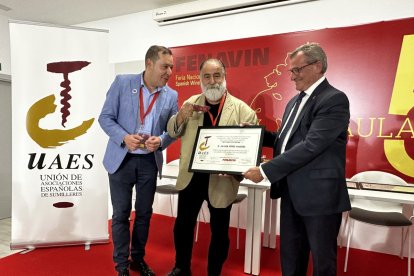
(169,189)
(198,221)
(379,213)
(239,198)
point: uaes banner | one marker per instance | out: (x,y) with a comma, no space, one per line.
(373,64)
(59,191)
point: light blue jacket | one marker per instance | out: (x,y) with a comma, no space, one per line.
(119,117)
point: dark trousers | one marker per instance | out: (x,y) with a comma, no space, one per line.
(138,170)
(190,201)
(301,235)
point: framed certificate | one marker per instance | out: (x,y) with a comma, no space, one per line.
(226,149)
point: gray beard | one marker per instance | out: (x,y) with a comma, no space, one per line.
(214,92)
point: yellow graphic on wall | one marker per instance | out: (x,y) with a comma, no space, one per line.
(402,101)
(51,138)
(271,81)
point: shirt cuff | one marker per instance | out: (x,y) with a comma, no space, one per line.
(160,147)
(262,172)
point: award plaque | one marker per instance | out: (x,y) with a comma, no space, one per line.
(226,149)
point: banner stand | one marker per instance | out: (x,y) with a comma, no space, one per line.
(59,190)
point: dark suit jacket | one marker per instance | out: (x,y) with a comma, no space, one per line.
(313,164)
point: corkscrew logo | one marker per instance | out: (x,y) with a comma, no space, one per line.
(203,145)
(51,138)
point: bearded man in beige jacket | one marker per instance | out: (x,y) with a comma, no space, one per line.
(218,190)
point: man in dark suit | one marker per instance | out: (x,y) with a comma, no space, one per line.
(308,168)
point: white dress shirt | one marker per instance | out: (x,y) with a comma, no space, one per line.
(308,93)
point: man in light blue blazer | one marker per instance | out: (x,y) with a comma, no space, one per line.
(135,115)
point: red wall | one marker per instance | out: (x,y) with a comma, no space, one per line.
(362,61)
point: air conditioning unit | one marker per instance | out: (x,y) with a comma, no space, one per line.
(211,8)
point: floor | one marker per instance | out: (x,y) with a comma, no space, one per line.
(5,237)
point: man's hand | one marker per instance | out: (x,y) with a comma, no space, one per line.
(132,141)
(243,124)
(253,174)
(185,112)
(153,143)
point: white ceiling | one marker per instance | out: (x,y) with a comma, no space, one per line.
(71,12)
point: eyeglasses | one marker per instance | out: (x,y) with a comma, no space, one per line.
(297,70)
